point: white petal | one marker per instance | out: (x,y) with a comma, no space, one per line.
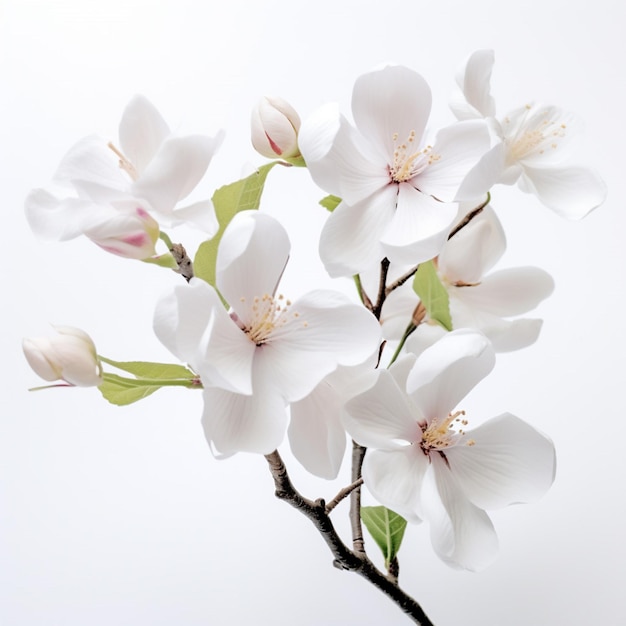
(251,258)
(383,416)
(175,170)
(394,477)
(473,250)
(316,435)
(142,130)
(419,227)
(182,316)
(424,337)
(339,159)
(350,239)
(474,81)
(60,219)
(200,214)
(457,148)
(322,329)
(389,103)
(238,423)
(461,533)
(448,370)
(572,192)
(505,335)
(91,165)
(509,292)
(508,462)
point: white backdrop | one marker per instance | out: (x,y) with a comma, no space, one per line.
(120,515)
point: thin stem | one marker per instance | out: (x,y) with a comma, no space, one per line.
(344,558)
(400,281)
(367,303)
(409,329)
(358,544)
(344,493)
(469,217)
(382,289)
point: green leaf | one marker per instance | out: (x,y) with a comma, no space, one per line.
(148,378)
(147,369)
(330,203)
(433,294)
(387,529)
(228,201)
(120,394)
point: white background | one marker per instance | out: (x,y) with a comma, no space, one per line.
(121,515)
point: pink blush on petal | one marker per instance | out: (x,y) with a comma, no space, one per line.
(135,240)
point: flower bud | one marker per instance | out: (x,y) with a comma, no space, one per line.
(131,234)
(70,355)
(275,125)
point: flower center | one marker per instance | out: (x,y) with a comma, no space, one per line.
(409,160)
(267,315)
(124,163)
(440,434)
(534,136)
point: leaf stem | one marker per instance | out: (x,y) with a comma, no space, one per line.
(123,381)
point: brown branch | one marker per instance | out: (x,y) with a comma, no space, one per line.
(382,291)
(400,281)
(344,493)
(185,266)
(358,544)
(469,217)
(344,558)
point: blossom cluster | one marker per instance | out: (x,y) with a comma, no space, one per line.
(410,218)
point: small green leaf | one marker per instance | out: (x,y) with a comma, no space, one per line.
(433,294)
(148,378)
(228,201)
(118,393)
(387,529)
(330,203)
(147,369)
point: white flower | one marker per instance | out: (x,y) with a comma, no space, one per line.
(479,299)
(274,127)
(398,189)
(535,139)
(151,171)
(423,463)
(70,355)
(267,352)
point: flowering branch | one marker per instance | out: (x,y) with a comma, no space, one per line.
(344,558)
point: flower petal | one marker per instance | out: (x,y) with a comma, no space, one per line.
(458,148)
(419,227)
(251,258)
(474,249)
(58,219)
(350,238)
(448,370)
(474,81)
(175,170)
(199,214)
(322,329)
(316,435)
(461,533)
(142,130)
(339,159)
(508,462)
(394,478)
(241,423)
(572,192)
(389,105)
(383,416)
(508,292)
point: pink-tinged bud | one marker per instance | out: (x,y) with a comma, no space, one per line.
(70,355)
(132,234)
(275,125)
